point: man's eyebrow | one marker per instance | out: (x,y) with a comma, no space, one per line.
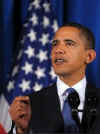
(66,40)
(69,40)
(54,40)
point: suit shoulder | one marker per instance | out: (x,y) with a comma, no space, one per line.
(93,90)
(43,91)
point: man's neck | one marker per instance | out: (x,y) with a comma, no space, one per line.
(71,80)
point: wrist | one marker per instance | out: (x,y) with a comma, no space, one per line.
(20,130)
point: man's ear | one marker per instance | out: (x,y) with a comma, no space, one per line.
(90,55)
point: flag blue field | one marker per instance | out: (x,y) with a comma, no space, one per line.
(32,70)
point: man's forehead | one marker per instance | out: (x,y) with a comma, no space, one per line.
(68,28)
(66,31)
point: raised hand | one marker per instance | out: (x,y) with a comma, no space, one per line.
(20,111)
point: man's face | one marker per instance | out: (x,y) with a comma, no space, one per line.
(68,52)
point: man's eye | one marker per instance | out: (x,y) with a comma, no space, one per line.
(54,42)
(69,43)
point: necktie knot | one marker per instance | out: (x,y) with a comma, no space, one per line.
(67,93)
(70,90)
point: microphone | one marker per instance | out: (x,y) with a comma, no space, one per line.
(91,103)
(74,101)
(12,127)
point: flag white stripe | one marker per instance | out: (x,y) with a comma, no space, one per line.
(5,119)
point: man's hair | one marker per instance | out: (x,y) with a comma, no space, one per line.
(85,32)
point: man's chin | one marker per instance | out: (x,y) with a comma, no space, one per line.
(60,73)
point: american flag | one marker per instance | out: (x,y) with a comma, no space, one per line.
(2,130)
(33,70)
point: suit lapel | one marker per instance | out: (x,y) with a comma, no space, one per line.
(53,111)
(89,113)
(46,117)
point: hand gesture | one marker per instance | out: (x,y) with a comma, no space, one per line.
(20,112)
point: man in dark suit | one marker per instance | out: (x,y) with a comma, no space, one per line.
(41,112)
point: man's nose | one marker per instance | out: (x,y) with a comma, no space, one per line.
(59,50)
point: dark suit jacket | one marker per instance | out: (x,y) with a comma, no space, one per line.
(47,117)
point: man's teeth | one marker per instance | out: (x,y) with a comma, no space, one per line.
(59,60)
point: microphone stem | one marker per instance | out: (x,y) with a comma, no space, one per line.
(80,110)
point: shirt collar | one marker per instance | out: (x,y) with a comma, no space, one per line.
(79,87)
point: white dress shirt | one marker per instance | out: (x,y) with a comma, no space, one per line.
(80,89)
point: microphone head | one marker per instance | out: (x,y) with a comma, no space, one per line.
(73,100)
